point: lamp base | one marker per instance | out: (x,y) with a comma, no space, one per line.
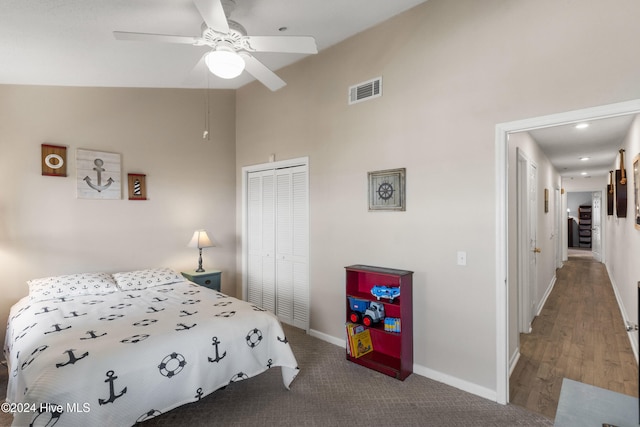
(200,269)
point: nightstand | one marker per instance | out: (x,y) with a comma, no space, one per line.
(209,278)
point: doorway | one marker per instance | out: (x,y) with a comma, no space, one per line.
(584,218)
(502,232)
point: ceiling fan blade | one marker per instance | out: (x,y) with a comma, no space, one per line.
(198,74)
(213,14)
(264,75)
(162,38)
(284,44)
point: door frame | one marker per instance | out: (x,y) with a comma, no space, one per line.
(502,131)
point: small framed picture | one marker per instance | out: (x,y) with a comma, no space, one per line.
(546,200)
(137,186)
(54,160)
(636,189)
(387,190)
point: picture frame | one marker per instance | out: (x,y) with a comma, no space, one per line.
(546,200)
(636,190)
(54,160)
(137,186)
(387,190)
(98,175)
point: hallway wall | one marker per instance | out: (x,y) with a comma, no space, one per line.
(623,240)
(547,230)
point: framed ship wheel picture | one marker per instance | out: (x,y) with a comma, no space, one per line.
(387,190)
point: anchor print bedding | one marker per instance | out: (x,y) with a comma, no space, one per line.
(118,358)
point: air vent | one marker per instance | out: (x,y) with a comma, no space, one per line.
(365,90)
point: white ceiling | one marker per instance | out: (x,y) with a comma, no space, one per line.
(565,145)
(70,42)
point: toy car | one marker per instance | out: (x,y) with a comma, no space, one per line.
(366,312)
(387,292)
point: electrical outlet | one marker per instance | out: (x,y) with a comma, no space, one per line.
(462,258)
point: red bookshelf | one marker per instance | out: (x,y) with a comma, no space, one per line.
(392,351)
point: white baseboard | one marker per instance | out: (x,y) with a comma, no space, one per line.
(514,361)
(456,382)
(543,301)
(423,371)
(340,342)
(633,340)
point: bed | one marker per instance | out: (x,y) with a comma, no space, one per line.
(101,349)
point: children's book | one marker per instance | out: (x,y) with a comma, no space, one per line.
(361,343)
(352,329)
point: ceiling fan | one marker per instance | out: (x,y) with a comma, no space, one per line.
(230,45)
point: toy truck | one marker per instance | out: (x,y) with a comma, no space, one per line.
(367,312)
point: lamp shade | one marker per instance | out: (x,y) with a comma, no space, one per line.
(226,64)
(200,240)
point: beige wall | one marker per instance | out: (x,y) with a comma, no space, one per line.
(451,72)
(45,230)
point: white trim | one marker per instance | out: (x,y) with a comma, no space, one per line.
(625,318)
(340,342)
(514,361)
(455,382)
(422,371)
(502,261)
(543,301)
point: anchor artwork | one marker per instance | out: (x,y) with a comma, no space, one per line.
(98,175)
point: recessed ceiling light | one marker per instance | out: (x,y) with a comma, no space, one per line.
(582,125)
(584,158)
(583,173)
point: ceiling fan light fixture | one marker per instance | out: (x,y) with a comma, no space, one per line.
(224,63)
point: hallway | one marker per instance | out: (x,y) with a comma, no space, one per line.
(579,335)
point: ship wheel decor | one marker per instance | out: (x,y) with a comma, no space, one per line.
(387,190)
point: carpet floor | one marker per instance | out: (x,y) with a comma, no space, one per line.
(331,391)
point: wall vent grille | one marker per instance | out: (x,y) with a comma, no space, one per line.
(365,90)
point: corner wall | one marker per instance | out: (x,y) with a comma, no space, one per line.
(451,71)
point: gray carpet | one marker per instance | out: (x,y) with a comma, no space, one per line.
(330,391)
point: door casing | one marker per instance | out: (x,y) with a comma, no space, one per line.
(502,131)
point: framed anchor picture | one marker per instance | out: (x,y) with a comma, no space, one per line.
(98,175)
(387,190)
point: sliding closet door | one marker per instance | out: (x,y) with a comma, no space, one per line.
(278,241)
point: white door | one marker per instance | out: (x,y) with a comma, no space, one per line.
(277,241)
(596,232)
(527,231)
(292,242)
(261,239)
(533,239)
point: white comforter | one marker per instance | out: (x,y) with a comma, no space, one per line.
(117,359)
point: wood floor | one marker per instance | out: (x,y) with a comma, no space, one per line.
(579,335)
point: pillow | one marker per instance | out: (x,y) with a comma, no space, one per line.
(143,279)
(71,285)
